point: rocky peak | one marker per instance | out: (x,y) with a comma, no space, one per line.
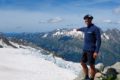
(4,42)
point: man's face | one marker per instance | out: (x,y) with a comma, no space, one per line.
(88,21)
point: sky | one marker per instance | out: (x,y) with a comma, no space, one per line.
(47,15)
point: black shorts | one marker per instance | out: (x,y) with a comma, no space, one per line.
(87,57)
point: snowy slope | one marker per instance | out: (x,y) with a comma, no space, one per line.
(72,33)
(5,43)
(20,64)
(71,66)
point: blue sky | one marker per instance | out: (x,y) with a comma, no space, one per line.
(47,15)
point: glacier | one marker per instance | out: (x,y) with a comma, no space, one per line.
(26,64)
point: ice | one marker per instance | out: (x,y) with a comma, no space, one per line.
(16,65)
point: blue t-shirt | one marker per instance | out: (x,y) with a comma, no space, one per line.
(92,38)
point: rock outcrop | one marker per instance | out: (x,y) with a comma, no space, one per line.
(104,73)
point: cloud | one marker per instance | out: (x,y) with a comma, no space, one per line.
(107,21)
(117,10)
(42,21)
(52,20)
(118,22)
(111,22)
(18,27)
(55,20)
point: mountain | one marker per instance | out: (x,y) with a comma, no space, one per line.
(67,43)
(43,55)
(26,48)
(25,61)
(4,42)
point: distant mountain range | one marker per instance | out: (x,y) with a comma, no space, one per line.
(67,43)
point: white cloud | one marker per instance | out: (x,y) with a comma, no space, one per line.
(111,22)
(55,20)
(118,22)
(52,20)
(107,21)
(11,20)
(117,10)
(42,21)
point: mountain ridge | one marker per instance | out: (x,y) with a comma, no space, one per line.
(67,43)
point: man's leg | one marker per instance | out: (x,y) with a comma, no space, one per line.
(84,66)
(85,69)
(91,62)
(92,71)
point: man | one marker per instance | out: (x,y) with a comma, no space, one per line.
(92,43)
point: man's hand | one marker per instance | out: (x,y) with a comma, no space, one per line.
(77,29)
(95,55)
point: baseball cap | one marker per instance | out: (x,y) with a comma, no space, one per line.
(88,16)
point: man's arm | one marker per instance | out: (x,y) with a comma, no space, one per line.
(81,29)
(98,40)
